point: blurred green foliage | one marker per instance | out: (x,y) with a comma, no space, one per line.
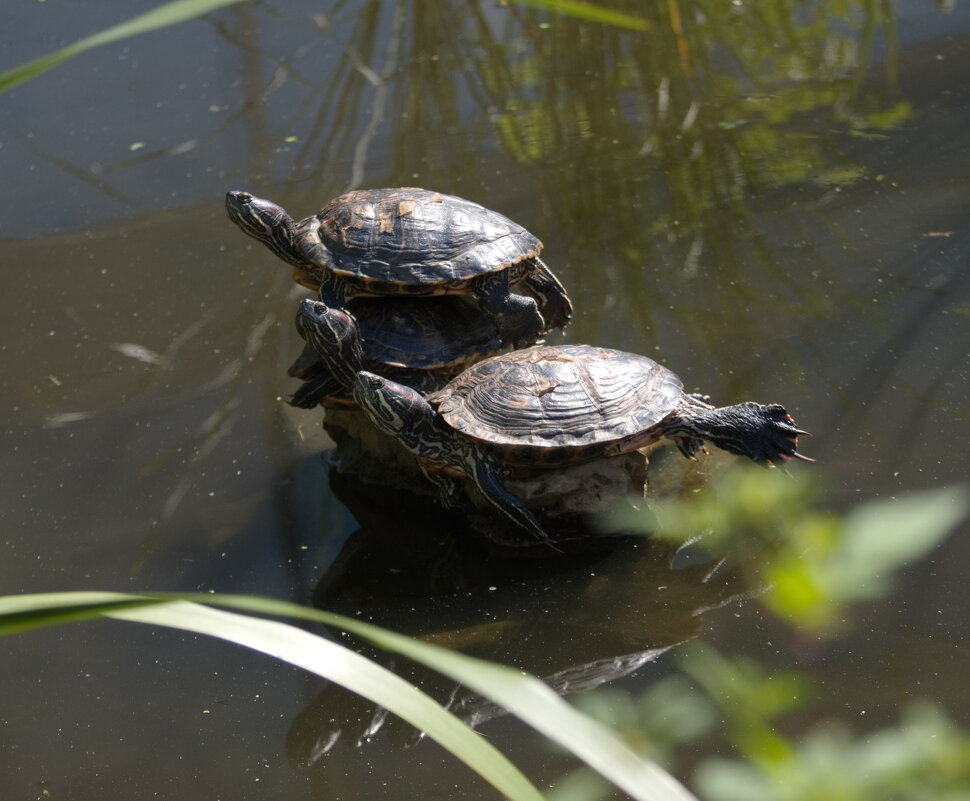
(925,757)
(807,564)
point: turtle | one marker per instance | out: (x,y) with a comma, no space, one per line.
(549,406)
(411,241)
(422,342)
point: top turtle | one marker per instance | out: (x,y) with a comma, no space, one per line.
(413,242)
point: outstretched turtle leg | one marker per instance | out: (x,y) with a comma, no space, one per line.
(307,364)
(765,434)
(554,305)
(449,489)
(314,390)
(485,474)
(516,317)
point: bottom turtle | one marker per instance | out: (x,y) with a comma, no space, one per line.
(546,407)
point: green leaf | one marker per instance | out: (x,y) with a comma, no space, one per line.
(882,536)
(165,15)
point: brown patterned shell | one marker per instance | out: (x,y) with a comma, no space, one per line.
(415,236)
(560,404)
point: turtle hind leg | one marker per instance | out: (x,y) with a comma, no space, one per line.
(554,305)
(516,317)
(765,434)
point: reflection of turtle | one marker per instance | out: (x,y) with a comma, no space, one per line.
(617,610)
(413,242)
(422,342)
(550,406)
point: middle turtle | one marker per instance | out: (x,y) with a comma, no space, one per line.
(421,342)
(413,241)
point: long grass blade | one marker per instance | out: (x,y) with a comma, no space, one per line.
(524,696)
(309,651)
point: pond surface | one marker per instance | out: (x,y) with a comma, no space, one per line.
(771,198)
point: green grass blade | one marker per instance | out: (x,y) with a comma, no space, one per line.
(290,644)
(165,15)
(20,613)
(524,696)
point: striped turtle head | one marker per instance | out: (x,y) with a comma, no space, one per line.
(333,336)
(267,222)
(401,412)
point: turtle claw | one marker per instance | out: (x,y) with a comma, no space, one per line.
(690,446)
(776,439)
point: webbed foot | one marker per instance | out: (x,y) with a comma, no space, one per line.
(769,435)
(554,305)
(516,317)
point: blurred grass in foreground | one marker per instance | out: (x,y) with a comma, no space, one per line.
(806,564)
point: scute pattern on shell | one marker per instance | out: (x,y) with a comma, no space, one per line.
(409,236)
(430,333)
(568,402)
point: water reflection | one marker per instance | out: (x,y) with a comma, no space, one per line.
(575,620)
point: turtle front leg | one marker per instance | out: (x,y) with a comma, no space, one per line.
(449,489)
(334,291)
(307,364)
(312,392)
(516,317)
(485,474)
(554,304)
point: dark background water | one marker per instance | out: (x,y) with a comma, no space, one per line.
(772,199)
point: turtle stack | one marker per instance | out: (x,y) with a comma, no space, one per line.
(429,313)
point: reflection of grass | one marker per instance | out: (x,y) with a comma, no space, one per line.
(165,15)
(590,13)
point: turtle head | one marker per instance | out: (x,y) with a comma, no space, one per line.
(267,222)
(333,335)
(400,411)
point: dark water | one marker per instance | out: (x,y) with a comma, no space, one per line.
(772,199)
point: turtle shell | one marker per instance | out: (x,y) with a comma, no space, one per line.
(424,334)
(414,236)
(560,404)
(418,342)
